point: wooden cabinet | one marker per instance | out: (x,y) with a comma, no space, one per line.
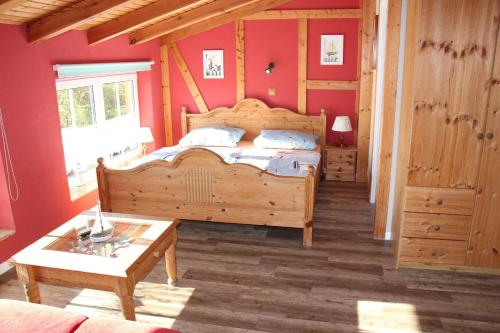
(449,147)
(340,163)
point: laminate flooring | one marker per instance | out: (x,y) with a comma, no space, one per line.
(252,279)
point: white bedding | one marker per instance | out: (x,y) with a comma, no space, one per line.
(280,162)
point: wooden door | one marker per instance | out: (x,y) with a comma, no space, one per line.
(484,244)
(454,52)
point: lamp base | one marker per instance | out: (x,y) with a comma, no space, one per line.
(341,141)
(144,149)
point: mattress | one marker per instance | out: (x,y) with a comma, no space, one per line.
(281,162)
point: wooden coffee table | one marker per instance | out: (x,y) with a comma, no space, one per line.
(116,265)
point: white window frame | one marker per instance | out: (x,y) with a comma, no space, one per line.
(99,115)
(97,84)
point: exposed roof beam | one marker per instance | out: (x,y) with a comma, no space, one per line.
(69,18)
(131,21)
(225,17)
(286,14)
(6,5)
(185,19)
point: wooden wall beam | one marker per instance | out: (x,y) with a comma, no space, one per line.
(302,70)
(196,15)
(138,18)
(69,18)
(167,102)
(186,74)
(288,14)
(332,85)
(240,60)
(365,92)
(6,5)
(388,114)
(223,18)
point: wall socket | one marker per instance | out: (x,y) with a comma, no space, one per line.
(271,91)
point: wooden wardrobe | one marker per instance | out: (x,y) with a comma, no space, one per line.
(448,183)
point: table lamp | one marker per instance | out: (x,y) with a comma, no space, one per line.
(145,136)
(342,124)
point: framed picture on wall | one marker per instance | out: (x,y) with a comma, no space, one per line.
(332,49)
(213,64)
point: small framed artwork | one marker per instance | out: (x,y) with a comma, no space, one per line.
(332,49)
(213,64)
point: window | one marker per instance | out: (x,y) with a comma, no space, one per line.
(97,117)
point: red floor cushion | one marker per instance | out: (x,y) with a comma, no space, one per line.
(119,326)
(21,317)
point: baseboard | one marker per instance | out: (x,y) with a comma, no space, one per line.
(4,267)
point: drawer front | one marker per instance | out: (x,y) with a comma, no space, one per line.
(341,156)
(437,226)
(433,251)
(340,176)
(340,166)
(439,200)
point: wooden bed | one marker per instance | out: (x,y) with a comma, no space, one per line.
(199,185)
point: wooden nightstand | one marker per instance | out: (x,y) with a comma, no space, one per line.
(341,163)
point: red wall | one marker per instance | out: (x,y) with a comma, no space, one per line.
(29,103)
(272,41)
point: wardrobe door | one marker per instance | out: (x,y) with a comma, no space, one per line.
(455,44)
(484,244)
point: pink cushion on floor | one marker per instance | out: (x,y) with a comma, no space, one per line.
(119,326)
(21,317)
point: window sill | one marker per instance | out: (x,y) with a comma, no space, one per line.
(76,192)
(5,233)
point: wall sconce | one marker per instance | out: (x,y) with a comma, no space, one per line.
(269,68)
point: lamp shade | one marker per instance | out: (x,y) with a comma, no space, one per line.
(144,135)
(342,124)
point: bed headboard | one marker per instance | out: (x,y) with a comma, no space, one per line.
(254,115)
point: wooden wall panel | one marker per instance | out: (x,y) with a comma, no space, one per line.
(188,77)
(365,93)
(302,70)
(484,245)
(240,60)
(388,113)
(167,106)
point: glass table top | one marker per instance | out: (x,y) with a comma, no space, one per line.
(124,235)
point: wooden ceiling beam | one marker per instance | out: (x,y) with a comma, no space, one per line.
(287,14)
(185,19)
(6,5)
(224,17)
(143,16)
(69,18)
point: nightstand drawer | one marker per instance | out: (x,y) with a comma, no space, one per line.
(433,251)
(341,165)
(337,155)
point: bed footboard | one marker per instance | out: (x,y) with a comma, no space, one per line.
(199,185)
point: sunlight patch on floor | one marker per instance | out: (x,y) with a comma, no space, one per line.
(387,317)
(155,303)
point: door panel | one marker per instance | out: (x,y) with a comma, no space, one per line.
(452,65)
(484,244)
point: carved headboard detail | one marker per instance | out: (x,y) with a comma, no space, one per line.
(254,115)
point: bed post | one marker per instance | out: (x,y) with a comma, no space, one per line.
(322,135)
(309,207)
(184,120)
(102,185)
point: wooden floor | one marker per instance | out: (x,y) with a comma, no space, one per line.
(257,279)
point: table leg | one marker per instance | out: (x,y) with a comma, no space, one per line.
(26,277)
(125,290)
(171,261)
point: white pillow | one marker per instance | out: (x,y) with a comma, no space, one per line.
(285,139)
(218,135)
